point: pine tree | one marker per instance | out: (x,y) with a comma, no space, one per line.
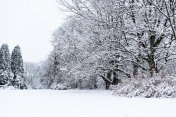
(17,68)
(5,69)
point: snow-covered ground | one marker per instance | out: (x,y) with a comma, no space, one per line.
(80,103)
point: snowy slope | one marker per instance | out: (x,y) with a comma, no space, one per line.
(76,103)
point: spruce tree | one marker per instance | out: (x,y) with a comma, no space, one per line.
(17,67)
(5,69)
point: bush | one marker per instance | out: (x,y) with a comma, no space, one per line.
(59,87)
(153,87)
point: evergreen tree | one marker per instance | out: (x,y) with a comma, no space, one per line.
(5,69)
(17,68)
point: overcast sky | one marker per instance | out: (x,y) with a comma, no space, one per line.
(29,23)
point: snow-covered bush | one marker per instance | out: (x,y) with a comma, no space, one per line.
(156,87)
(7,87)
(59,86)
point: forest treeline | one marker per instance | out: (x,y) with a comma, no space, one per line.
(112,41)
(106,42)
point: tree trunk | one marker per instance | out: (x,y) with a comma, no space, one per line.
(115,79)
(95,83)
(107,80)
(135,70)
(107,85)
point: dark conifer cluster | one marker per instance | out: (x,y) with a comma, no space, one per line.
(11,67)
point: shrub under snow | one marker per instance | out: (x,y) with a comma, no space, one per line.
(154,87)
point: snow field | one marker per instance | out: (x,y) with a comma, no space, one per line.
(80,103)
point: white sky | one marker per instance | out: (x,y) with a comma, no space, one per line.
(29,23)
